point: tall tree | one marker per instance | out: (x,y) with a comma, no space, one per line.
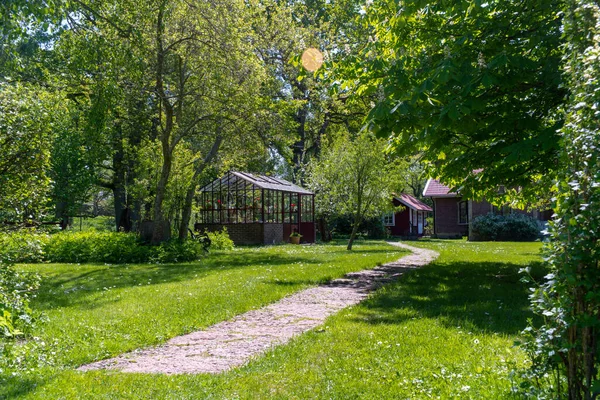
(314,110)
(202,64)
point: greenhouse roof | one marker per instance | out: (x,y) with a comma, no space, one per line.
(242,180)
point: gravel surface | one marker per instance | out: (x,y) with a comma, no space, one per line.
(232,343)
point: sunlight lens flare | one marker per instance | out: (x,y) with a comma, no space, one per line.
(312,59)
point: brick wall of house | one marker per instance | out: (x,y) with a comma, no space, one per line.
(446,218)
(479,208)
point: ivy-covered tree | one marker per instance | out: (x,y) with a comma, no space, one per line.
(569,299)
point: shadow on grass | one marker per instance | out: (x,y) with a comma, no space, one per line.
(484,296)
(70,287)
(12,387)
(299,282)
(74,286)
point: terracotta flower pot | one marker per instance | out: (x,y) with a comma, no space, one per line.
(295,239)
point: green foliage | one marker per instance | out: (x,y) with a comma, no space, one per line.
(566,346)
(101,247)
(22,247)
(16,290)
(72,170)
(355,177)
(175,250)
(117,248)
(472,84)
(220,240)
(107,247)
(373,228)
(27,116)
(428,228)
(505,228)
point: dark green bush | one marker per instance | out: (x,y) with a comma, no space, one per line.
(512,227)
(372,228)
(117,248)
(176,251)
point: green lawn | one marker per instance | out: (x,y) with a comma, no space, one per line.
(97,311)
(445,331)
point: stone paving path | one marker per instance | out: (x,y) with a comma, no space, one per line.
(232,343)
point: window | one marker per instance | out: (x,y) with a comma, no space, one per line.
(307,208)
(388,219)
(463,212)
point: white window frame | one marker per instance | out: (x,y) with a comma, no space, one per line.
(386,215)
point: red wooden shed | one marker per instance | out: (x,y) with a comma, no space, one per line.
(411,220)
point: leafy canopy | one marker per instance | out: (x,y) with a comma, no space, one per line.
(473,85)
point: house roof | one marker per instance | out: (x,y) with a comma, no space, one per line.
(434,188)
(413,203)
(240,180)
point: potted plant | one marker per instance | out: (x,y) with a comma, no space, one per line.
(295,238)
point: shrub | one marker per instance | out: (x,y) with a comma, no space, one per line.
(176,250)
(101,247)
(16,288)
(107,247)
(341,225)
(512,227)
(118,248)
(220,240)
(22,247)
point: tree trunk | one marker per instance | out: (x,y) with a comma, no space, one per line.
(120,203)
(186,213)
(323,228)
(165,136)
(62,214)
(161,189)
(353,234)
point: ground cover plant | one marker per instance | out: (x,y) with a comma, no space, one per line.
(445,331)
(95,311)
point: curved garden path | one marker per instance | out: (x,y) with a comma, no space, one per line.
(232,343)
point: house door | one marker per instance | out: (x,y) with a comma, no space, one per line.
(420,223)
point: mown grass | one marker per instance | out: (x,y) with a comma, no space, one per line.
(98,311)
(444,331)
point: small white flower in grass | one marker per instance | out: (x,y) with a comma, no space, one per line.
(465,388)
(476,341)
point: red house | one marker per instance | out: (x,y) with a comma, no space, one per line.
(411,220)
(453,213)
